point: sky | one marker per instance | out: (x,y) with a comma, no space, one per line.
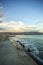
(27,14)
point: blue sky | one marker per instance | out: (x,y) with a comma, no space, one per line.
(28,11)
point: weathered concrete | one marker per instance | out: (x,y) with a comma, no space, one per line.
(9,55)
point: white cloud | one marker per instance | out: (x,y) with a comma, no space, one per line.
(31,26)
(41,30)
(13,25)
(17,26)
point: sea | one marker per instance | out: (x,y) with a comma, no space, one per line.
(36,42)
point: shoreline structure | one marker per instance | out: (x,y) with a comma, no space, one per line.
(20,44)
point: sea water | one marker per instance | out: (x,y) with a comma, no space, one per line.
(35,42)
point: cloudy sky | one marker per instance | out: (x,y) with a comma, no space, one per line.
(22,15)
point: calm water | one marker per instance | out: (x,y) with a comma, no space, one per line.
(36,41)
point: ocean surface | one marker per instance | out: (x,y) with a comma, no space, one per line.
(36,43)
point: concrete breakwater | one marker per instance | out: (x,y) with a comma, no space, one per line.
(21,44)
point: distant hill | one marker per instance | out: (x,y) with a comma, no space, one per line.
(24,33)
(28,33)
